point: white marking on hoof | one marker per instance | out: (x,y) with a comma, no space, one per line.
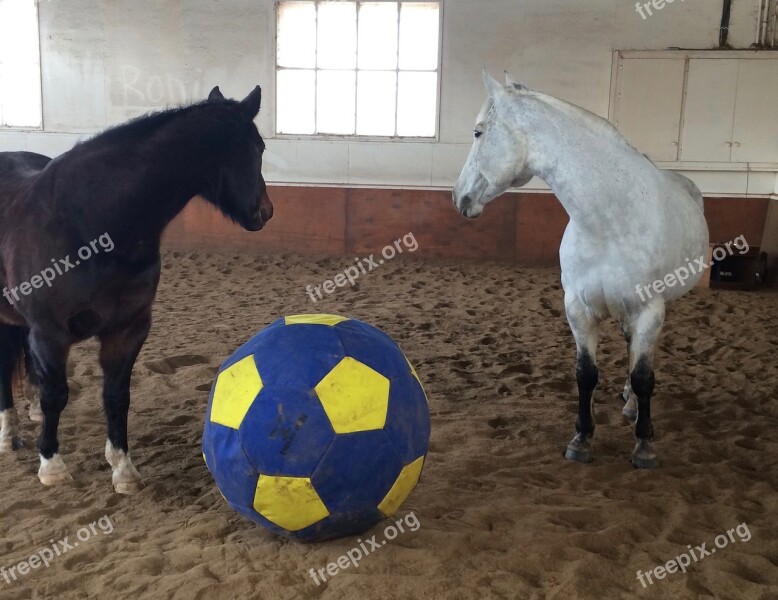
(126,479)
(53,471)
(9,424)
(34,411)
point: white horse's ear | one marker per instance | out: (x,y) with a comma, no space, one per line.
(512,83)
(494,87)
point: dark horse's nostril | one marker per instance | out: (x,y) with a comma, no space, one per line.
(265,207)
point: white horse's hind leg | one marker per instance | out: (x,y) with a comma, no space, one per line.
(9,425)
(126,479)
(646,328)
(586,331)
(630,409)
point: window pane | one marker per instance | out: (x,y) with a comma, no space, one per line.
(335,102)
(376,93)
(337,40)
(416,102)
(419,36)
(20,83)
(297,34)
(378,35)
(295,101)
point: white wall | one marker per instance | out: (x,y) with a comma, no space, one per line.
(104,61)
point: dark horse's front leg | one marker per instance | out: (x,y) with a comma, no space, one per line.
(10,349)
(118,353)
(49,357)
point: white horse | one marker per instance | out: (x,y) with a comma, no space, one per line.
(633,230)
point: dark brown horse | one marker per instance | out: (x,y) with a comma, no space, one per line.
(79,251)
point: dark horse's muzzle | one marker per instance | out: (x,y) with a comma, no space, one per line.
(263,215)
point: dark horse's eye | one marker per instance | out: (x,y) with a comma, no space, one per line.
(477,133)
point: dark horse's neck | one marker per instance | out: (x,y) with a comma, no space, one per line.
(132,180)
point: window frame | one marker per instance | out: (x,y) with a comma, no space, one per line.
(355,137)
(41,127)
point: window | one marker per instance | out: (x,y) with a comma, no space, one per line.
(20,64)
(357,68)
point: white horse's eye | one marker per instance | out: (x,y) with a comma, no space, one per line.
(477,133)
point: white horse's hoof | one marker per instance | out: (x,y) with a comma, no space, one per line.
(630,411)
(53,471)
(35,413)
(125,478)
(9,423)
(644,457)
(579,450)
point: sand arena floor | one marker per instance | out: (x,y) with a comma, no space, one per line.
(501,513)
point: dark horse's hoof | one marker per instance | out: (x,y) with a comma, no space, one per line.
(579,451)
(11,444)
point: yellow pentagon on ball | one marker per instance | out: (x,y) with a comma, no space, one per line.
(236,389)
(289,502)
(314,320)
(354,396)
(403,486)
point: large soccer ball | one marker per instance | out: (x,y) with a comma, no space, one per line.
(317,427)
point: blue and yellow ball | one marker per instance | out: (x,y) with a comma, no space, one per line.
(317,427)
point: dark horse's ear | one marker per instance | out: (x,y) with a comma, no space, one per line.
(249,106)
(216,94)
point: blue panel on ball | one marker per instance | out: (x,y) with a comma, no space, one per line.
(372,347)
(296,356)
(356,472)
(229,465)
(408,418)
(251,345)
(286,432)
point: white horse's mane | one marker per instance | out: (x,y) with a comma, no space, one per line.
(587,119)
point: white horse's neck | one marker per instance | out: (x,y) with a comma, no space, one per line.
(584,160)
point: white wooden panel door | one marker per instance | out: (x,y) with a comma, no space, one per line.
(648,105)
(709,110)
(755,134)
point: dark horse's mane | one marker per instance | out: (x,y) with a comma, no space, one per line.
(147,125)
